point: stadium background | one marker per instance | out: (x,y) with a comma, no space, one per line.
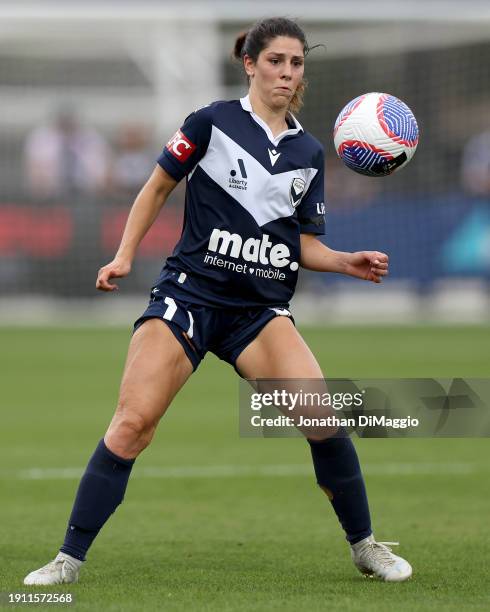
(142,70)
(130,73)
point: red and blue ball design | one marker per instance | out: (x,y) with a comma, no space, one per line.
(376,134)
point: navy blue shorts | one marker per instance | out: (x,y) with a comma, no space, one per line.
(199,329)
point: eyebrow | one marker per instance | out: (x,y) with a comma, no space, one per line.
(283,55)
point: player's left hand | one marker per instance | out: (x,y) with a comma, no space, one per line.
(368,265)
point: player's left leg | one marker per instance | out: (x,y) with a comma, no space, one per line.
(279,352)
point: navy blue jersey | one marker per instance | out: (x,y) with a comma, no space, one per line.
(249,197)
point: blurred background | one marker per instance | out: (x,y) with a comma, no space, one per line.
(91,91)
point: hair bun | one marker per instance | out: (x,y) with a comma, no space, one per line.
(239,44)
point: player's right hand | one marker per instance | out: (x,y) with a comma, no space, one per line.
(117,268)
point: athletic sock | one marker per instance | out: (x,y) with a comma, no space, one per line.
(101,490)
(338,473)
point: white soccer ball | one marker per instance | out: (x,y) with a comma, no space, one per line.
(376,134)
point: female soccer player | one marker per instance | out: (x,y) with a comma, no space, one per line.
(254,209)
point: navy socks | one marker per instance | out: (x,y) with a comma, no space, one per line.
(339,474)
(100,491)
(104,483)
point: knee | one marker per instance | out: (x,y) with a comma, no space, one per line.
(136,425)
(129,433)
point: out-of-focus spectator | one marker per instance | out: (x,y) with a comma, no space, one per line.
(133,160)
(65,158)
(475,166)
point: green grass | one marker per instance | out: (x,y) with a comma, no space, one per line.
(248,542)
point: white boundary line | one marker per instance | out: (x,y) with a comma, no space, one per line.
(240,471)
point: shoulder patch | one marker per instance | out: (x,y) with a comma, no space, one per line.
(180,146)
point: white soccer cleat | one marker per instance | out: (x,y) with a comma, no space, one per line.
(63,569)
(375,559)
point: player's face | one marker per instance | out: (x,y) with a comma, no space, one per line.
(278,71)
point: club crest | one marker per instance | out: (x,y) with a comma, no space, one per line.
(296,191)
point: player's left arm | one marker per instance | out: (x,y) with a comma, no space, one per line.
(367,265)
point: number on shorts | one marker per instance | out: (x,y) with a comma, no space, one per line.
(171,310)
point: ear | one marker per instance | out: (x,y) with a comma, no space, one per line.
(249,65)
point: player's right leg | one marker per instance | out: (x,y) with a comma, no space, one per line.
(156,368)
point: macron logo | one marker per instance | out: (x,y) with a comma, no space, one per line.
(252,249)
(274,156)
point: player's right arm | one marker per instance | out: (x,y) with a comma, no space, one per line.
(143,213)
(180,155)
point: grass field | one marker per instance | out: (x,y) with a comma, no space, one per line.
(205,526)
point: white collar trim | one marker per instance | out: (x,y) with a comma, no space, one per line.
(247,106)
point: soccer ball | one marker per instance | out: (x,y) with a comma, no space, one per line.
(376,134)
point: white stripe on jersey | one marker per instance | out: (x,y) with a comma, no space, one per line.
(266,196)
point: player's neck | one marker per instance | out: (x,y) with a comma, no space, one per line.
(275,118)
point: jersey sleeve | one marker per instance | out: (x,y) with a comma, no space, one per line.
(188,145)
(311,210)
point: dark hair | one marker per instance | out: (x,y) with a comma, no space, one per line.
(251,43)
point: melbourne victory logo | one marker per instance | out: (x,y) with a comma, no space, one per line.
(296,191)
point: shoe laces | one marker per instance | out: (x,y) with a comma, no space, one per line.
(49,567)
(380,552)
(58,561)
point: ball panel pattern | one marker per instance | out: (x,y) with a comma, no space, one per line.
(347,111)
(365,158)
(397,120)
